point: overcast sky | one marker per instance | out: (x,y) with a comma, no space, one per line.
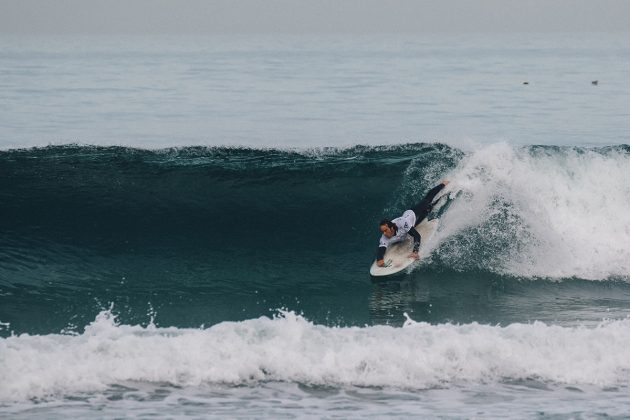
(310,16)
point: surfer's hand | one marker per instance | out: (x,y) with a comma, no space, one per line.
(414,255)
(380,263)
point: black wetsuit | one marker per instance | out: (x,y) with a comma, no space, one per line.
(421,210)
(424,207)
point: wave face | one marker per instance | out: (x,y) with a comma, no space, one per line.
(205,235)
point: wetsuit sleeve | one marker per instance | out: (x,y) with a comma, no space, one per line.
(380,253)
(416,239)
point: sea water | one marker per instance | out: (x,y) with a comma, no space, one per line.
(187,225)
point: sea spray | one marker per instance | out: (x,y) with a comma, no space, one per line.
(540,212)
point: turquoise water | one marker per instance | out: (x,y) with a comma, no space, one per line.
(187,226)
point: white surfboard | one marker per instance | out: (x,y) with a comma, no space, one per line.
(397,254)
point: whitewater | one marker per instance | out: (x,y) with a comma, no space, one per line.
(563,212)
(289,348)
(187,224)
(108,358)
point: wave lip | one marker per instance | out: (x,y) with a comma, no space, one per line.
(289,348)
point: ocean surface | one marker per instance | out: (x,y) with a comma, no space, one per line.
(187,225)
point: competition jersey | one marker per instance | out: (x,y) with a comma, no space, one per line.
(404,224)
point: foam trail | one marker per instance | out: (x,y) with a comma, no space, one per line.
(290,348)
(553,212)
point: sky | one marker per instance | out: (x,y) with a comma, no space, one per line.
(310,16)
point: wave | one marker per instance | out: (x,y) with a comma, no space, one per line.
(289,348)
(248,229)
(59,201)
(537,211)
(57,185)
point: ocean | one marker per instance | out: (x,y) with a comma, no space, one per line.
(187,225)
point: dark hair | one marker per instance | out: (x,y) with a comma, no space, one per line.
(389,224)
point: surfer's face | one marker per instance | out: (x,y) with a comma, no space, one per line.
(387,231)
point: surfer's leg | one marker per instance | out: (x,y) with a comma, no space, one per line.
(423,208)
(432,193)
(421,212)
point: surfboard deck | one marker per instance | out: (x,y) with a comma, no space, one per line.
(397,255)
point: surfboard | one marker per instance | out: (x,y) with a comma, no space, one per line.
(397,254)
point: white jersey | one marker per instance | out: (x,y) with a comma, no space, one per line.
(404,223)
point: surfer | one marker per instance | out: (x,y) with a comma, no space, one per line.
(397,230)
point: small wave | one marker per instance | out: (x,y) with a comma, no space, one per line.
(289,348)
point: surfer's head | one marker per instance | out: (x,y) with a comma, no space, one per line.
(387,228)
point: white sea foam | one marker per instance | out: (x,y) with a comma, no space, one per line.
(557,212)
(290,348)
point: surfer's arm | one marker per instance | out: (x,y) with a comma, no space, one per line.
(416,240)
(380,254)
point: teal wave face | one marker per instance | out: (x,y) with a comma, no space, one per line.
(107,197)
(199,234)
